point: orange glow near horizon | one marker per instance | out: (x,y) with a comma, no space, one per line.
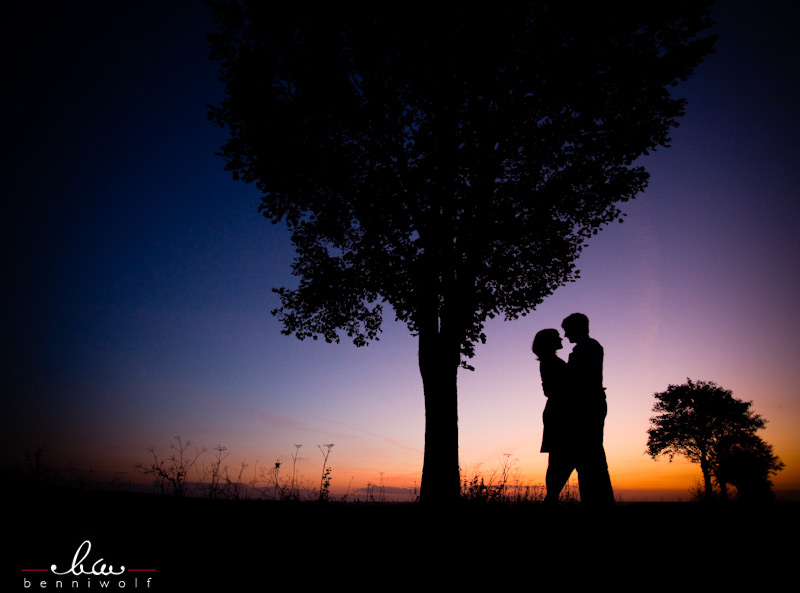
(633,477)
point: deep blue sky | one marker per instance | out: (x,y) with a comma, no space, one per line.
(138,273)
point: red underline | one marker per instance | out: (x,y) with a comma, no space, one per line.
(48,570)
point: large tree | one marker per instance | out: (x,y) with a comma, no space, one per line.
(450,164)
(704,423)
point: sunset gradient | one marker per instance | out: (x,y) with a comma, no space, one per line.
(140,275)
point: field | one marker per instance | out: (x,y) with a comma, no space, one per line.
(189,544)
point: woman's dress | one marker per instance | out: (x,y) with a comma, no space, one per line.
(556,414)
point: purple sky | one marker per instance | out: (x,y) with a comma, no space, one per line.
(140,275)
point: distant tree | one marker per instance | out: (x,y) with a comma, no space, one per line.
(706,424)
(747,462)
(449,164)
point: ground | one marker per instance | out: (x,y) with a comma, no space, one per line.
(256,545)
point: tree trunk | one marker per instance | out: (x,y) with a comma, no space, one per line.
(704,466)
(438,365)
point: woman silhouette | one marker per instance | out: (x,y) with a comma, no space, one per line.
(556,438)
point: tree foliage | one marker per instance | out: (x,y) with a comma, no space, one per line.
(470,153)
(747,462)
(448,164)
(706,424)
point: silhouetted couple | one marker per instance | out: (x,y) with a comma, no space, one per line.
(575,412)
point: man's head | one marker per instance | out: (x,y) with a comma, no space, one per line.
(576,326)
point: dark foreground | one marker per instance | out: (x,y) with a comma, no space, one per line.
(198,544)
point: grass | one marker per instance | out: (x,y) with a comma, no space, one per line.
(171,477)
(188,470)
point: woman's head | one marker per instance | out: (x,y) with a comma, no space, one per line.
(547,341)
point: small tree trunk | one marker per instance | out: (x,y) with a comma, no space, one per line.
(441,480)
(709,490)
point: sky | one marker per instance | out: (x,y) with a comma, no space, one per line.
(138,274)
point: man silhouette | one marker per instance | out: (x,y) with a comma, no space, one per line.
(585,368)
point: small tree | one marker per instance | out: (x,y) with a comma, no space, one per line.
(450,164)
(747,462)
(706,424)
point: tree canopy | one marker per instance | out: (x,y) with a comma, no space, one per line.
(747,463)
(448,164)
(704,423)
